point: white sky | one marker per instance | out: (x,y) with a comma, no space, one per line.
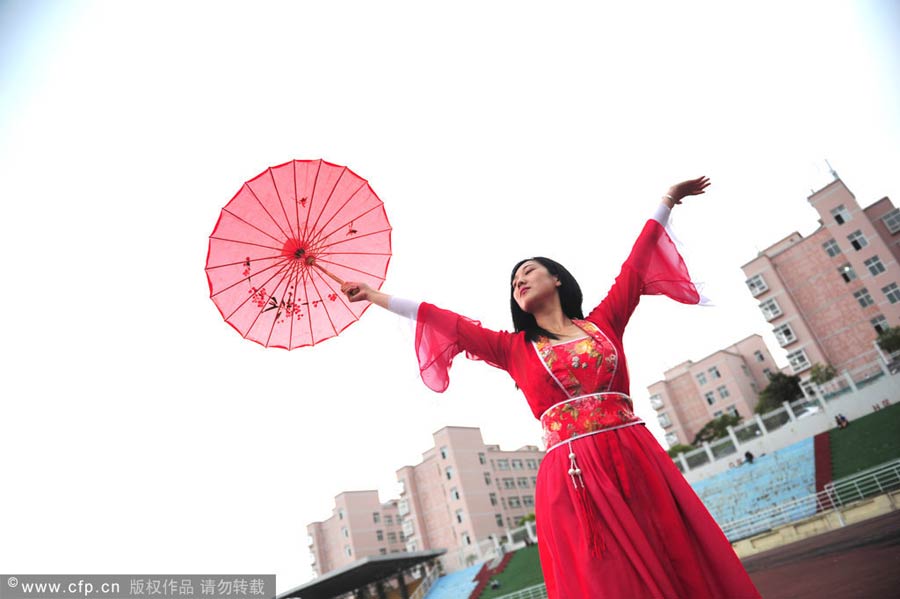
(141,434)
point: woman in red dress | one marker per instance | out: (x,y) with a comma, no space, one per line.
(615,518)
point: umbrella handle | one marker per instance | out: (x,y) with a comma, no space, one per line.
(336,278)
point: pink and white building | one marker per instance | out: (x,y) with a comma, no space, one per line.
(360,526)
(462,492)
(827,296)
(727,381)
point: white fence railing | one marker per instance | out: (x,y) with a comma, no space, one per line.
(426,584)
(538,591)
(874,481)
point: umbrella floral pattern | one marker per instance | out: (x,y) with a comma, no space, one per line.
(282,246)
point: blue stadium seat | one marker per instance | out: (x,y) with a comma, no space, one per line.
(455,585)
(773,479)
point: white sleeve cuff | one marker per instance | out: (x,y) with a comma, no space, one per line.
(662,214)
(403,307)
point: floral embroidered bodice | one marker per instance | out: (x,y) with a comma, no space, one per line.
(584,368)
(580,366)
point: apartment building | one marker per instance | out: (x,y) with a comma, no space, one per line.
(465,491)
(360,526)
(462,492)
(828,295)
(728,381)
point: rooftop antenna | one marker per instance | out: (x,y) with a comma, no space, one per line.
(833,172)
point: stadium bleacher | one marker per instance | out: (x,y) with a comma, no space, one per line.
(455,585)
(772,479)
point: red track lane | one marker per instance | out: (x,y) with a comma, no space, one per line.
(858,561)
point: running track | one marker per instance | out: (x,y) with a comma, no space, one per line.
(857,561)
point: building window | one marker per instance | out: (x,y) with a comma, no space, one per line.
(487,478)
(503,464)
(341,514)
(770,309)
(840,214)
(382,551)
(531,464)
(746,370)
(533,481)
(376,517)
(768,373)
(784,334)
(710,397)
(392,537)
(732,411)
(509,483)
(454,494)
(514,502)
(723,392)
(701,378)
(503,502)
(892,220)
(493,498)
(348,551)
(656,401)
(714,373)
(444,453)
(481,459)
(754,388)
(528,500)
(522,482)
(379,535)
(671,439)
(499,519)
(345,532)
(664,420)
(757,285)
(388,520)
(517,464)
(717,413)
(459,516)
(799,361)
(759,356)
(880,323)
(862,296)
(449,472)
(847,273)
(831,248)
(466,538)
(857,240)
(875,266)
(892,292)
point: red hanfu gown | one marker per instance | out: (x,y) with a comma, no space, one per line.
(637,529)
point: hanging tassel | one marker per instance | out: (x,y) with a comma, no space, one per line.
(587,513)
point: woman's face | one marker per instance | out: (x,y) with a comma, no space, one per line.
(533,285)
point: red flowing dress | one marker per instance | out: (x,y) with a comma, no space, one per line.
(615,517)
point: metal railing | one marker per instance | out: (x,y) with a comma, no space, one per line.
(426,584)
(874,481)
(538,591)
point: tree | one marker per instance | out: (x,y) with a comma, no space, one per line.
(820,374)
(529,518)
(679,448)
(716,429)
(782,388)
(889,340)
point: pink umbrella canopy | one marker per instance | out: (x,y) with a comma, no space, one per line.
(283,245)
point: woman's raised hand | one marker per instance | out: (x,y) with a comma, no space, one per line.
(692,187)
(356,292)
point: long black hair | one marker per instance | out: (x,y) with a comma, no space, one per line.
(570,299)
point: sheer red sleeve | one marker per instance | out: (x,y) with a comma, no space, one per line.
(441,335)
(654,267)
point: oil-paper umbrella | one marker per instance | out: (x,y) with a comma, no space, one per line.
(284,244)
